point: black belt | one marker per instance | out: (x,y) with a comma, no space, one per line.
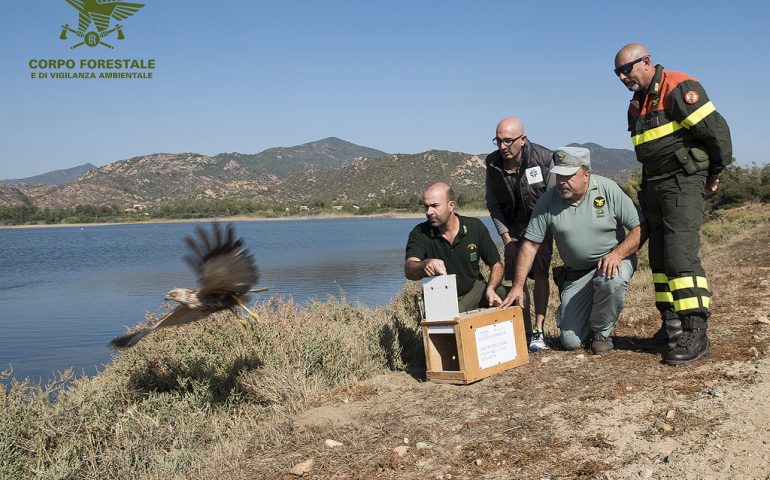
(572,275)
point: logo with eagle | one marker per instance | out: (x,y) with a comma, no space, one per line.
(99,13)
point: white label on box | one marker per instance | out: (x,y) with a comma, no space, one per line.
(495,344)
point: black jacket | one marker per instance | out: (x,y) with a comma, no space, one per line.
(505,193)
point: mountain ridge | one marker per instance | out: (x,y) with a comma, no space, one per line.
(330,169)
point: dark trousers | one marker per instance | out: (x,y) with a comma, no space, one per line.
(475,298)
(673,208)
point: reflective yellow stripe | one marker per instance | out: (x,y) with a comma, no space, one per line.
(680,283)
(706,301)
(659,278)
(656,133)
(698,114)
(702,283)
(664,297)
(686,304)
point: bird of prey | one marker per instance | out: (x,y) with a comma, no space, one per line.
(100,12)
(226,273)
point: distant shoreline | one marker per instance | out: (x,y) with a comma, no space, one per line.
(242,218)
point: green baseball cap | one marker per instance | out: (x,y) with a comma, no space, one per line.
(570,159)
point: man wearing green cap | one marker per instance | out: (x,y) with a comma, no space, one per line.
(588,216)
(683,144)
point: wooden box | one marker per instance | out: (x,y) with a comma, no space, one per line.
(474,345)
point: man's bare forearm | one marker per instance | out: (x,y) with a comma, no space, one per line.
(632,243)
(414,269)
(496,275)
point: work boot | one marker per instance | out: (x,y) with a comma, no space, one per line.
(692,345)
(601,344)
(668,334)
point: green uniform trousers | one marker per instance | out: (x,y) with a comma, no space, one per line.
(673,207)
(475,298)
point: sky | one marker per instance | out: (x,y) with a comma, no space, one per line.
(399,76)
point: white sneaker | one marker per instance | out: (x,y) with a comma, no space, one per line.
(537,342)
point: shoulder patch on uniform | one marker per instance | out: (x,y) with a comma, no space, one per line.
(599,202)
(691,97)
(635,104)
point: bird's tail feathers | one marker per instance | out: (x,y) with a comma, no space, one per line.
(129,339)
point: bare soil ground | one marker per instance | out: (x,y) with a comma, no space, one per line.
(568,414)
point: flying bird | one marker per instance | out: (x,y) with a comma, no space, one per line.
(226,273)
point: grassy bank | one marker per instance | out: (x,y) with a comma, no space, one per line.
(201,394)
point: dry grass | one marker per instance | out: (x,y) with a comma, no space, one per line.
(191,396)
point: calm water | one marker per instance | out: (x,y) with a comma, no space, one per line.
(65,292)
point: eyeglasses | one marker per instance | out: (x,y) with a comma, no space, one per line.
(505,141)
(626,68)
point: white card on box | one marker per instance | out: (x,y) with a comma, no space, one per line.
(440,296)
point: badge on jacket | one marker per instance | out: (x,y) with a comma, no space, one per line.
(691,97)
(534,175)
(599,203)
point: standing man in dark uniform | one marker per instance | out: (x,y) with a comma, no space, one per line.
(517,175)
(683,144)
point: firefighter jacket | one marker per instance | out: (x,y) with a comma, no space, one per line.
(675,127)
(511,197)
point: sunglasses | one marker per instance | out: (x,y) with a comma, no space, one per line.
(626,68)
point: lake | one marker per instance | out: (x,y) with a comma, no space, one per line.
(65,292)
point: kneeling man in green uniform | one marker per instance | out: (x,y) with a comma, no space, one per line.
(588,216)
(448,243)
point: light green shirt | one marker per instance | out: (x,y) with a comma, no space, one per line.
(584,233)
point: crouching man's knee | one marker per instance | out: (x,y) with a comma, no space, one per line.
(569,340)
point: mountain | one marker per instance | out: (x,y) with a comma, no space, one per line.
(192,176)
(10,196)
(329,169)
(55,177)
(405,175)
(329,153)
(399,175)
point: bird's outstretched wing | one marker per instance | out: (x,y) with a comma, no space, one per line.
(123,10)
(222,263)
(179,315)
(226,273)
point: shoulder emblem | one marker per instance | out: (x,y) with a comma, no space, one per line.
(691,97)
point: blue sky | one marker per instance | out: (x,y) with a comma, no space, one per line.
(400,76)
